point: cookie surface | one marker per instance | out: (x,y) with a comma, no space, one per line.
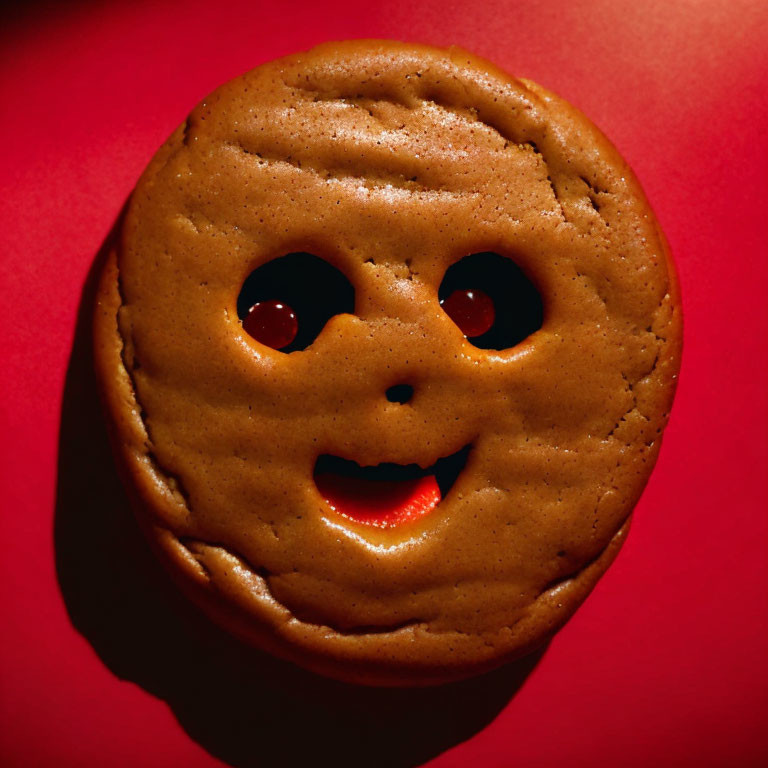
(392,163)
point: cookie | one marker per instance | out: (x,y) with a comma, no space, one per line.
(387,345)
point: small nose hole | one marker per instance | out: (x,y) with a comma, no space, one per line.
(400,393)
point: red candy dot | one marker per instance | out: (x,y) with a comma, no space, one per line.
(471,310)
(272,323)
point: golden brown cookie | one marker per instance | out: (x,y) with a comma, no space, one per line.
(366,182)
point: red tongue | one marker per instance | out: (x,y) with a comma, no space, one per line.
(383,503)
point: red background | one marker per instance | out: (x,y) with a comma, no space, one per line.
(664,665)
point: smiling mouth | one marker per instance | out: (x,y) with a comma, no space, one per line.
(386,495)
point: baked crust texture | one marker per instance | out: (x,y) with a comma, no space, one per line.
(392,162)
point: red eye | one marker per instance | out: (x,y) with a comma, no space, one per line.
(471,310)
(272,323)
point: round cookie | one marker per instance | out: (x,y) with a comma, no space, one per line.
(371,181)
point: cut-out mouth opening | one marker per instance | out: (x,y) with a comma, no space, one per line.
(386,495)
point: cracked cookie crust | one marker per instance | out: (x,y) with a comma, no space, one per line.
(392,163)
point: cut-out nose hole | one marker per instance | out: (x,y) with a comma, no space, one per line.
(400,393)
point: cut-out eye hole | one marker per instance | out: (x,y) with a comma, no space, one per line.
(491,300)
(286,302)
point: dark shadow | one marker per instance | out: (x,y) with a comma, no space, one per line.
(18,15)
(244,707)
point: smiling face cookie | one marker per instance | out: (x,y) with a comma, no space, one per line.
(388,344)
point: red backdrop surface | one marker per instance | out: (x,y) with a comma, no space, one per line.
(666,663)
